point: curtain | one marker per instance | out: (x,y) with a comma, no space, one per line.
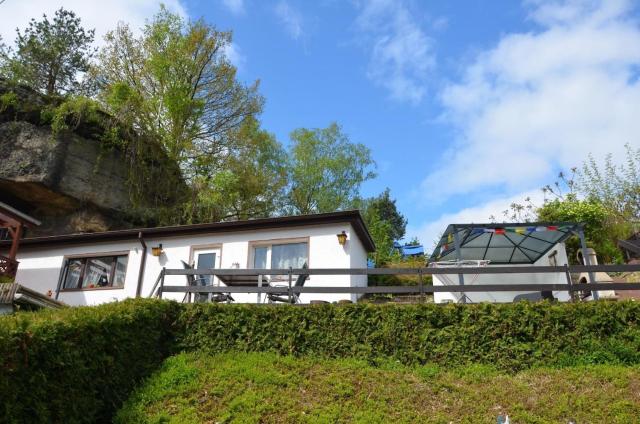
(292,255)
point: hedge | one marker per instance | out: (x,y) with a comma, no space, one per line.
(80,364)
(508,336)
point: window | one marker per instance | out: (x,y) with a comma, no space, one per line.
(95,272)
(281,255)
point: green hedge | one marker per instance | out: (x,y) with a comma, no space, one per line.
(508,336)
(80,364)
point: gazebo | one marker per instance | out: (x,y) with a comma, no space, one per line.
(12,226)
(506,244)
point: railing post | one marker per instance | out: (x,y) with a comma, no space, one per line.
(290,278)
(259,286)
(456,243)
(568,275)
(422,296)
(587,261)
(161,288)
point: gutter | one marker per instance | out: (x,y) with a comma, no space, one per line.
(143,263)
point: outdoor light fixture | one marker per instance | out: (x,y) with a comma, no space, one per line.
(342,238)
(157,250)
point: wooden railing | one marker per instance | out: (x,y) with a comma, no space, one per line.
(8,267)
(420,288)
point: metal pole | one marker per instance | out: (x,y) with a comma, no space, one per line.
(587,261)
(161,288)
(259,286)
(290,278)
(456,243)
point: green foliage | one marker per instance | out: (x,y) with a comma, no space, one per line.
(50,55)
(79,364)
(599,234)
(381,231)
(385,209)
(326,170)
(249,183)
(507,336)
(8,100)
(386,225)
(615,186)
(268,388)
(174,84)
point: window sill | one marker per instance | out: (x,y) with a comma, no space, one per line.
(90,289)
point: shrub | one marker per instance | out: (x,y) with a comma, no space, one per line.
(508,336)
(79,364)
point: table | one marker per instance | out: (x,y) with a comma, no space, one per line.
(252,280)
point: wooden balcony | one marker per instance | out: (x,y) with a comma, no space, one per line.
(8,267)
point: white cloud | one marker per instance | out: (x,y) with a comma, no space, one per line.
(236,7)
(235,56)
(290,18)
(543,100)
(101,15)
(401,53)
(428,233)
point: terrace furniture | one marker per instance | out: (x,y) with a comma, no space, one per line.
(283,296)
(202,281)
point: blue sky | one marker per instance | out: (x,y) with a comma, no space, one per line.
(467,106)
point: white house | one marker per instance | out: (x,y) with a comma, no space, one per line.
(94,268)
(499,245)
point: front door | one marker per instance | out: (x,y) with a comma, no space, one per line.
(206,259)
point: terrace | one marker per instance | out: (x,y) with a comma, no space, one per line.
(12,226)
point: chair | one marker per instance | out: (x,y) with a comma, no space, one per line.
(283,296)
(192,281)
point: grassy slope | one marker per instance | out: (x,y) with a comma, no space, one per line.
(239,387)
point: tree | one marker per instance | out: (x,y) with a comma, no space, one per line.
(50,56)
(599,233)
(252,180)
(174,84)
(615,186)
(385,209)
(326,170)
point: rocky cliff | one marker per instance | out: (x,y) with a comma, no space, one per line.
(67,179)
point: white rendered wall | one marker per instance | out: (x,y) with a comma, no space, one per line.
(357,259)
(525,278)
(40,268)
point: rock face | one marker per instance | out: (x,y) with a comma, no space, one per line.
(61,176)
(69,182)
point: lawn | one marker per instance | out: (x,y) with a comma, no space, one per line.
(264,387)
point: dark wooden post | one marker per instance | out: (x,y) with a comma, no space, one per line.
(16,233)
(161,288)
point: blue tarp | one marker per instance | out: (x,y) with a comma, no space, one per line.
(407,250)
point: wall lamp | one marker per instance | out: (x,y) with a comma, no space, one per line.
(342,238)
(157,250)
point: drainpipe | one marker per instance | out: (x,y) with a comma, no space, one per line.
(143,262)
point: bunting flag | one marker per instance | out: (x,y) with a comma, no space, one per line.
(517,230)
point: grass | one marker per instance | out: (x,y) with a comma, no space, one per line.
(267,388)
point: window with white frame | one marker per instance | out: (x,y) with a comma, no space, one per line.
(95,272)
(280,255)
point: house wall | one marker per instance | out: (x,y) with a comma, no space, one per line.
(357,259)
(524,278)
(40,268)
